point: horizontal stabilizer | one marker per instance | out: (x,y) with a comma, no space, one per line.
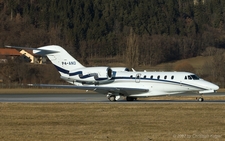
(37,51)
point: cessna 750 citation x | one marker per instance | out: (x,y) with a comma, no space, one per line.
(119,81)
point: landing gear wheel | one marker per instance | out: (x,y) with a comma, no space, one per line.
(131,98)
(200,99)
(112,98)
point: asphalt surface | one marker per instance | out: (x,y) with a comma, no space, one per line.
(93,98)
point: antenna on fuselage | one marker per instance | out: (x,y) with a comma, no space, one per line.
(133,70)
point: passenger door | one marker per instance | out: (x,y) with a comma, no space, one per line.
(138,78)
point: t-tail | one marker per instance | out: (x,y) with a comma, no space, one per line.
(61,59)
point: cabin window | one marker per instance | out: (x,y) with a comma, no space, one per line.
(126,69)
(145,76)
(151,77)
(131,76)
(189,77)
(158,77)
(165,77)
(185,77)
(172,77)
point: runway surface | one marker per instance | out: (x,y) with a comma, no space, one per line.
(94,98)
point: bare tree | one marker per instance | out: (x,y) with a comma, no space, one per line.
(214,68)
(132,50)
(84,52)
(210,51)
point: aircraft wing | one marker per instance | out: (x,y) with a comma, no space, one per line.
(100,89)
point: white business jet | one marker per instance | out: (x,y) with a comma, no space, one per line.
(117,82)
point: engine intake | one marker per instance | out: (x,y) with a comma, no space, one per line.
(109,73)
(120,69)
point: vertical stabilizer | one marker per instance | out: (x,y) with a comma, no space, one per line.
(61,59)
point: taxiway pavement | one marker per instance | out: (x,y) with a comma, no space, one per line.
(91,97)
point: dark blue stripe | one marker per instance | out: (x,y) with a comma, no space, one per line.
(117,78)
(61,70)
(168,81)
(86,76)
(100,79)
(75,73)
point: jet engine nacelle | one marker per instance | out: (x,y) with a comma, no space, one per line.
(119,69)
(91,75)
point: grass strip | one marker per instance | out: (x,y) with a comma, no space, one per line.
(92,121)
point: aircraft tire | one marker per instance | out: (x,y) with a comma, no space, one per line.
(130,98)
(112,98)
(200,99)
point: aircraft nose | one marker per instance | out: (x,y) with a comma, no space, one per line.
(211,86)
(215,87)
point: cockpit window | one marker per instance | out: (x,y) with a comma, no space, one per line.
(195,77)
(190,77)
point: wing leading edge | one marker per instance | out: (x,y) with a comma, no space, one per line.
(100,89)
(37,51)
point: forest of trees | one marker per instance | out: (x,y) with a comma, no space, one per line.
(165,29)
(158,30)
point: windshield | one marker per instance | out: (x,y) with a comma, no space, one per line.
(195,77)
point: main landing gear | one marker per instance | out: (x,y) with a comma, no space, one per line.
(113,97)
(131,98)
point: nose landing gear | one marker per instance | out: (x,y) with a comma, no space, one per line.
(200,99)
